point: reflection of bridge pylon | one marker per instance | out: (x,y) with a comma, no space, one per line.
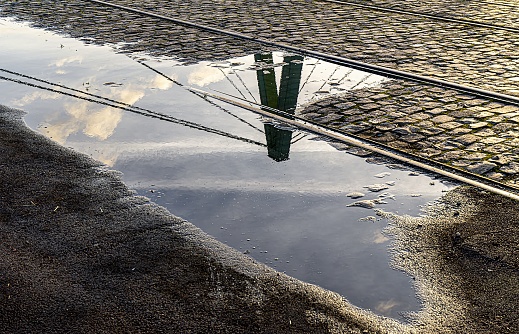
(278,140)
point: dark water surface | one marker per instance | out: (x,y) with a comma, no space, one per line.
(275,193)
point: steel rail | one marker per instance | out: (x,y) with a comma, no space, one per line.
(375,69)
(436,167)
(427,16)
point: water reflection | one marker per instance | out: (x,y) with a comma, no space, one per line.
(279,140)
(294,213)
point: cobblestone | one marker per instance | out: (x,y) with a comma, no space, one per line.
(464,54)
(472,143)
(504,14)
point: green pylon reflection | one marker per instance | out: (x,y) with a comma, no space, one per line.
(278,140)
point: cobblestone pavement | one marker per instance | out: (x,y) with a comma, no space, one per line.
(444,125)
(467,55)
(503,13)
(128,32)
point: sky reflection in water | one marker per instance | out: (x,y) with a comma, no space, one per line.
(285,205)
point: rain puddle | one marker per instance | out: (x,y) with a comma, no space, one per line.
(287,198)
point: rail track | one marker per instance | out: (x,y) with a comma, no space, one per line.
(375,69)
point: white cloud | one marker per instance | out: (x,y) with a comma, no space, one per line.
(204,75)
(38,95)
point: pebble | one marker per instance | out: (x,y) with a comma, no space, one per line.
(366,204)
(355,195)
(377,187)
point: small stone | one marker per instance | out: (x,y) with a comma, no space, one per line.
(467,139)
(366,204)
(355,195)
(377,187)
(381,175)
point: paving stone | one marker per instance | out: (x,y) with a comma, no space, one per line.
(476,147)
(505,110)
(485,133)
(498,149)
(513,142)
(481,167)
(386,137)
(429,152)
(442,119)
(476,156)
(467,120)
(511,168)
(484,114)
(385,126)
(459,131)
(436,111)
(354,128)
(501,159)
(467,139)
(450,125)
(495,176)
(478,125)
(492,140)
(509,134)
(495,119)
(412,138)
(501,127)
(345,105)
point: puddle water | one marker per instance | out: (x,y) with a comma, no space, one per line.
(277,194)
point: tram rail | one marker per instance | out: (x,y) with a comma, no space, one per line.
(338,60)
